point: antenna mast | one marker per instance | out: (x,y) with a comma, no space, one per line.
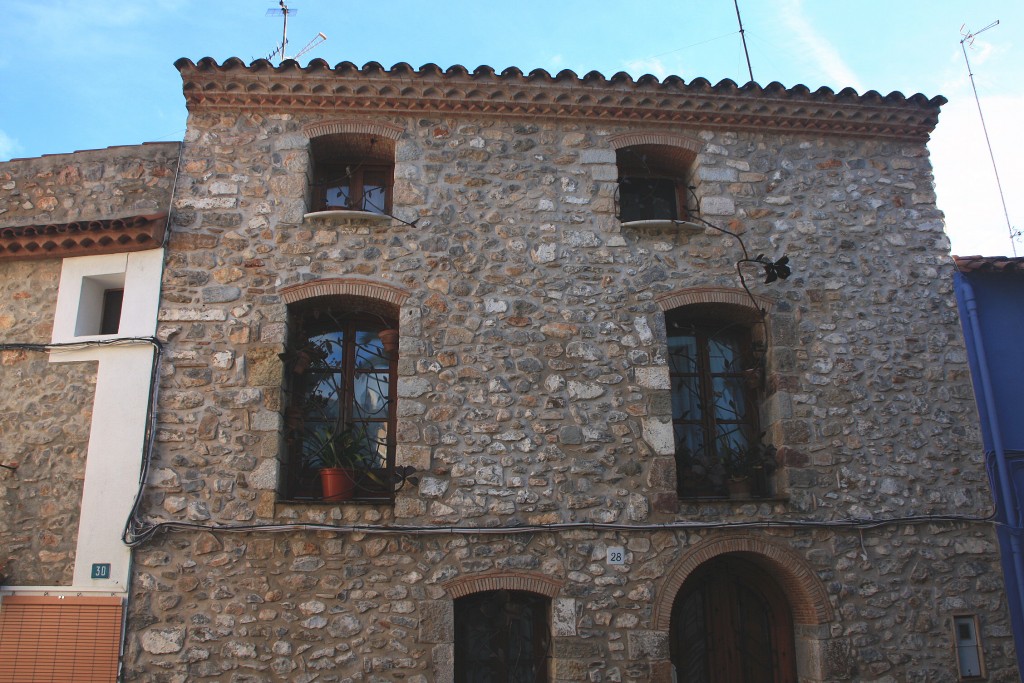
(282,12)
(969,37)
(743,37)
(280,51)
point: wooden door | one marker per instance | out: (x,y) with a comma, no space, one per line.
(731,624)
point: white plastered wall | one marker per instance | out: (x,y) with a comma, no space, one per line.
(118,427)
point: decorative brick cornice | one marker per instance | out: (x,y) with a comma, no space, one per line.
(82,238)
(803,589)
(384,130)
(346,286)
(372,89)
(530,582)
(711,295)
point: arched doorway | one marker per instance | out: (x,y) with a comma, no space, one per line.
(731,623)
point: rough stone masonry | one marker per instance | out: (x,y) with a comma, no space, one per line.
(533,392)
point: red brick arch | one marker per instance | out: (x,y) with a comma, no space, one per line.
(530,582)
(804,591)
(711,295)
(384,130)
(346,286)
(664,139)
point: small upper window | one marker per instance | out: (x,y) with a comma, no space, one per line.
(353,171)
(714,405)
(652,182)
(110,319)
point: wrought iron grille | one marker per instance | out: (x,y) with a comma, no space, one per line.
(341,407)
(714,412)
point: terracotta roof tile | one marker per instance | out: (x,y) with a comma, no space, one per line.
(82,238)
(405,89)
(989,264)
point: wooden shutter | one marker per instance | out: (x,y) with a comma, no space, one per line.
(59,639)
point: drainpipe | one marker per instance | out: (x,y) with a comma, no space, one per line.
(1010,505)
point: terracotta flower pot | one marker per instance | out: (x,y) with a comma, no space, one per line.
(739,488)
(337,483)
(389,340)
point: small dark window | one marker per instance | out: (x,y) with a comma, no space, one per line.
(643,199)
(652,183)
(341,411)
(110,320)
(714,403)
(502,637)
(354,172)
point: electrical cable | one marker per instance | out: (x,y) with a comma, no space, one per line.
(389,530)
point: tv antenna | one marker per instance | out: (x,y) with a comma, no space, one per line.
(968,40)
(743,37)
(281,50)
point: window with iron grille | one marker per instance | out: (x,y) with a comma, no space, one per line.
(353,171)
(652,183)
(503,636)
(714,403)
(341,365)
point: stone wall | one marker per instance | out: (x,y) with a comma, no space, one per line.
(45,411)
(46,408)
(102,183)
(533,390)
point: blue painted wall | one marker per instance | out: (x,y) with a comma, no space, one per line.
(992,315)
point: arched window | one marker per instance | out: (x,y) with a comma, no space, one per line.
(341,367)
(653,182)
(731,623)
(501,636)
(714,379)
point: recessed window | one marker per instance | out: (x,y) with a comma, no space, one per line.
(340,420)
(99,305)
(353,171)
(652,182)
(110,318)
(714,404)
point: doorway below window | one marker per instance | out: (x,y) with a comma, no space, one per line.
(731,623)
(501,637)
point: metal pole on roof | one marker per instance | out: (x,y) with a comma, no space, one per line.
(743,37)
(969,36)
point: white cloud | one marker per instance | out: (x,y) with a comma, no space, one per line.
(964,180)
(9,147)
(654,66)
(817,49)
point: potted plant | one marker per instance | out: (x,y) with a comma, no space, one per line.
(340,456)
(389,341)
(747,468)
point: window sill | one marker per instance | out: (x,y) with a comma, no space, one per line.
(302,504)
(663,224)
(727,499)
(346,217)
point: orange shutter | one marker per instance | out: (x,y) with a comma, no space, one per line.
(59,640)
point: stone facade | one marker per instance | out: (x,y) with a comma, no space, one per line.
(533,390)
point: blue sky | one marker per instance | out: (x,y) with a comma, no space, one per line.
(85,74)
